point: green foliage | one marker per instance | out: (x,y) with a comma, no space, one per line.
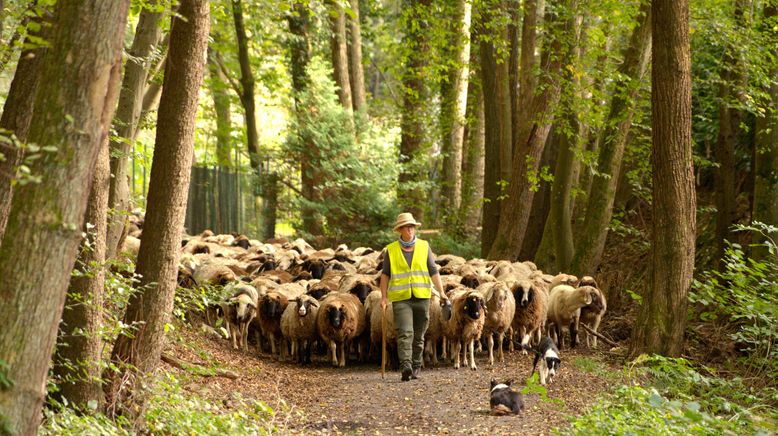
(743,296)
(533,386)
(5,382)
(445,243)
(355,167)
(66,421)
(196,300)
(678,400)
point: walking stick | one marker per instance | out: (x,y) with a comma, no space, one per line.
(383,342)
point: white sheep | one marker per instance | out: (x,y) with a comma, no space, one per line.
(298,325)
(239,310)
(592,314)
(564,308)
(500,310)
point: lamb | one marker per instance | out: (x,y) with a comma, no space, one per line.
(239,310)
(591,315)
(271,307)
(466,324)
(531,310)
(298,325)
(564,308)
(340,320)
(500,310)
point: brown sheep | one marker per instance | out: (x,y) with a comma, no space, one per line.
(466,324)
(341,319)
(500,309)
(531,310)
(271,307)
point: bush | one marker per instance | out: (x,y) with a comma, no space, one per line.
(743,297)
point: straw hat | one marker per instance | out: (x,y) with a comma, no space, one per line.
(405,219)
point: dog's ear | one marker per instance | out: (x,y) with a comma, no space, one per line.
(509,381)
(493,383)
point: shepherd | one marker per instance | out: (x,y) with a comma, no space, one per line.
(408,273)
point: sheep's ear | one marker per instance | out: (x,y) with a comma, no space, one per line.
(315,303)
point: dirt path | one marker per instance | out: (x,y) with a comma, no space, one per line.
(322,399)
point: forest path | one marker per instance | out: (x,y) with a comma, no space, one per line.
(356,400)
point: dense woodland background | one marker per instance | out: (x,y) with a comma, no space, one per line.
(634,141)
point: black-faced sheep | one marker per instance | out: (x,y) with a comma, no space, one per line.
(592,314)
(271,307)
(466,324)
(357,284)
(564,308)
(239,310)
(531,310)
(341,319)
(298,325)
(500,310)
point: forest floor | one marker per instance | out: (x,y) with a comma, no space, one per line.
(320,399)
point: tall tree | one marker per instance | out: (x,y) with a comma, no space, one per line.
(599,210)
(147,36)
(532,136)
(453,110)
(527,78)
(473,156)
(662,318)
(356,72)
(17,114)
(731,80)
(79,344)
(246,89)
(766,156)
(73,109)
(339,52)
(497,116)
(221,104)
(413,137)
(150,309)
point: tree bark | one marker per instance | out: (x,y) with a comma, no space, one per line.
(514,215)
(473,157)
(414,142)
(662,318)
(532,249)
(221,105)
(17,114)
(527,79)
(247,87)
(591,240)
(73,108)
(150,309)
(79,344)
(356,72)
(766,156)
(339,53)
(147,35)
(453,108)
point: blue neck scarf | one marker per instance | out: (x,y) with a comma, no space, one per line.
(408,244)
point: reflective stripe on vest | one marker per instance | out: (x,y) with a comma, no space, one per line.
(406,280)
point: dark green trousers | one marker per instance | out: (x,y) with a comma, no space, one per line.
(411,318)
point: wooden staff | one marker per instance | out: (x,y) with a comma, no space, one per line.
(383,342)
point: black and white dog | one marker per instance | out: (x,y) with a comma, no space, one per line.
(548,353)
(504,400)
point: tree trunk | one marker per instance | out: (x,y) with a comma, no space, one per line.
(247,87)
(339,52)
(559,214)
(453,114)
(531,249)
(514,215)
(766,156)
(731,78)
(527,79)
(150,309)
(591,240)
(79,344)
(73,108)
(473,159)
(147,34)
(221,105)
(356,72)
(17,114)
(414,142)
(662,318)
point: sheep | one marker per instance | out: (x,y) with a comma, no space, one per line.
(564,308)
(500,310)
(239,310)
(563,279)
(466,323)
(357,284)
(434,329)
(374,318)
(214,271)
(591,315)
(341,319)
(531,310)
(298,325)
(271,307)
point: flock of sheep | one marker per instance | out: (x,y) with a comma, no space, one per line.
(292,297)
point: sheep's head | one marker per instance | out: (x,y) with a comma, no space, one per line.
(224,278)
(336,315)
(318,291)
(361,290)
(588,281)
(337,266)
(201,248)
(499,295)
(304,305)
(524,293)
(570,280)
(304,275)
(586,294)
(273,305)
(474,306)
(242,241)
(471,281)
(316,267)
(186,277)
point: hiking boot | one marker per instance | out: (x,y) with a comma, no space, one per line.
(415,373)
(407,372)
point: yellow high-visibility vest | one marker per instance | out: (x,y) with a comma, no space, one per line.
(408,279)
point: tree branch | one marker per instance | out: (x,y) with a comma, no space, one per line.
(200,370)
(233,83)
(604,339)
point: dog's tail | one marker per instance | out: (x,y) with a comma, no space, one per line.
(529,348)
